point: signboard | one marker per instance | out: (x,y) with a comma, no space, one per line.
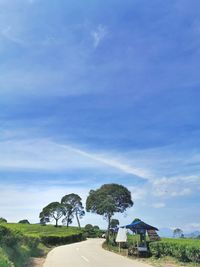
(121,235)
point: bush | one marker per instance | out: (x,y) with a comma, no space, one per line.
(184,250)
(61,240)
(92,231)
(4,261)
(9,238)
(24,221)
(3,220)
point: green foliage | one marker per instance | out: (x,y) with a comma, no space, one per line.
(4,261)
(182,249)
(114,223)
(37,230)
(177,233)
(24,221)
(92,231)
(53,211)
(61,240)
(14,246)
(72,206)
(3,220)
(109,199)
(20,241)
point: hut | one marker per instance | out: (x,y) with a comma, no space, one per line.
(142,229)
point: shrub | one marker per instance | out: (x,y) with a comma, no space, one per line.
(4,261)
(184,250)
(61,240)
(3,220)
(24,221)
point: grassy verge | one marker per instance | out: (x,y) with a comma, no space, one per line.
(20,242)
(162,261)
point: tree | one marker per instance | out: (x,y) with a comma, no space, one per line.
(178,233)
(24,221)
(108,200)
(136,220)
(53,211)
(73,206)
(114,223)
(3,220)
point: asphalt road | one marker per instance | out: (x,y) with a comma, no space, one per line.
(88,254)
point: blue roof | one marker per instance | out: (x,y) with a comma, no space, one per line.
(140,225)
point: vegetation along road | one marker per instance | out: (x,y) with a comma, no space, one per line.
(88,254)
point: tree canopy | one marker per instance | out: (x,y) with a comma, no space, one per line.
(108,200)
(53,211)
(73,206)
(178,233)
(25,221)
(114,223)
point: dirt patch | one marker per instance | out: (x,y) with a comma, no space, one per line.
(36,262)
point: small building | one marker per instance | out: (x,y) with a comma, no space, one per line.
(142,229)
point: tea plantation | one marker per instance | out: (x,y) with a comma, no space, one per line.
(183,249)
(18,242)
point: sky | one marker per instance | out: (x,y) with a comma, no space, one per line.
(95,92)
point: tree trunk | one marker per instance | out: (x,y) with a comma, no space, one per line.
(78,220)
(56,222)
(108,230)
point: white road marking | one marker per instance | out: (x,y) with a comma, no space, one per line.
(85,259)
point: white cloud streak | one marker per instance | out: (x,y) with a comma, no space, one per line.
(48,155)
(98,35)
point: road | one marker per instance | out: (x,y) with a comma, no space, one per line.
(88,254)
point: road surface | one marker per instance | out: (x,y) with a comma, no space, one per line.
(88,254)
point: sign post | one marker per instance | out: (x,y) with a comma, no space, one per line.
(121,237)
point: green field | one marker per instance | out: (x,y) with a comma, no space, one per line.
(187,250)
(19,242)
(37,230)
(183,249)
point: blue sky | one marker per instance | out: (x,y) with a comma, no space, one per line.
(94,93)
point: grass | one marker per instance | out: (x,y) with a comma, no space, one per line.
(37,230)
(163,260)
(19,242)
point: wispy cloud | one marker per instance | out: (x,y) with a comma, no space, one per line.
(7,33)
(98,35)
(48,155)
(158,205)
(109,161)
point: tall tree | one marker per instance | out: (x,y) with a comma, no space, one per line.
(53,211)
(108,200)
(178,233)
(73,206)
(114,223)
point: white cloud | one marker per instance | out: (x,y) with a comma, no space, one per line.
(41,154)
(19,202)
(8,33)
(175,186)
(112,162)
(158,205)
(98,35)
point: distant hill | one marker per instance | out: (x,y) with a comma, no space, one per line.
(167,232)
(193,234)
